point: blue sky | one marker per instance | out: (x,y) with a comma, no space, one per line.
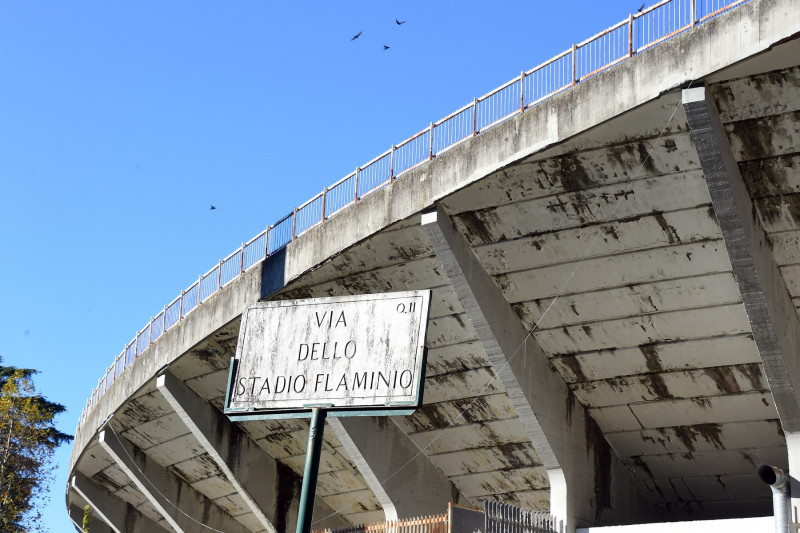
(121,122)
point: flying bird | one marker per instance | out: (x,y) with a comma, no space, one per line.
(399,22)
(356,36)
(385,47)
(640,9)
(212,207)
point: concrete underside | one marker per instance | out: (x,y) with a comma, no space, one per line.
(592,216)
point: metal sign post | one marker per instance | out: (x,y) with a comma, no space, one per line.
(342,356)
(308,492)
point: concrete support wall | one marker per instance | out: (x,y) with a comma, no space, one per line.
(379,448)
(168,494)
(589,486)
(109,511)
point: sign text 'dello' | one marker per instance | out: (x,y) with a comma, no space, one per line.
(344,352)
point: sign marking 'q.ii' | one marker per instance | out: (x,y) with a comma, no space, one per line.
(342,353)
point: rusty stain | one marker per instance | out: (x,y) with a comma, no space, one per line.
(752,371)
(656,384)
(652,360)
(670,145)
(574,310)
(476,225)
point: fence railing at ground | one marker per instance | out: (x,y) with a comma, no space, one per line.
(638,32)
(421,524)
(508,518)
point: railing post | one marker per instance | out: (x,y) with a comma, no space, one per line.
(164,320)
(430,142)
(574,48)
(693,11)
(199,294)
(266,242)
(180,305)
(294,222)
(630,35)
(391,166)
(474,117)
(219,275)
(241,256)
(522,91)
(150,340)
(355,187)
(324,199)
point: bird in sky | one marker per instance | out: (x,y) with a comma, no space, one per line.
(212,207)
(385,47)
(400,22)
(640,9)
(356,36)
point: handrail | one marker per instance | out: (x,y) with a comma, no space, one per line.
(610,54)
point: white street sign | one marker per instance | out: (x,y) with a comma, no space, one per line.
(343,352)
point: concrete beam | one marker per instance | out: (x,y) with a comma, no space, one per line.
(76,516)
(588,484)
(117,514)
(248,468)
(270,489)
(168,494)
(769,307)
(403,480)
(770,310)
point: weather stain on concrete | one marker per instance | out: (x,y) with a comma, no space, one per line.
(669,230)
(724,379)
(477,224)
(575,367)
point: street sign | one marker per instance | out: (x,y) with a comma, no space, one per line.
(342,354)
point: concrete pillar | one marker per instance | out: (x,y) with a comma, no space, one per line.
(379,449)
(589,485)
(116,514)
(173,499)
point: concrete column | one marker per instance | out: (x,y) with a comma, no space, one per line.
(118,515)
(379,448)
(171,497)
(589,485)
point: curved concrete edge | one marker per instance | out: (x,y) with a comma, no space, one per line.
(668,67)
(214,313)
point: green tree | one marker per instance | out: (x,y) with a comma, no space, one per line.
(28,439)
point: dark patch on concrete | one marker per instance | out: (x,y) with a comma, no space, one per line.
(752,371)
(724,379)
(711,433)
(611,231)
(669,231)
(587,329)
(106,481)
(572,174)
(775,209)
(670,146)
(756,135)
(517,455)
(686,436)
(571,399)
(655,382)
(711,214)
(574,310)
(765,402)
(574,365)
(747,457)
(652,360)
(602,457)
(476,226)
(769,177)
(287,488)
(637,462)
(646,161)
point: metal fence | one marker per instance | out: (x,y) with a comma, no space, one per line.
(638,32)
(507,518)
(422,524)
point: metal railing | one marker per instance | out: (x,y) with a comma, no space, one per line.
(421,524)
(638,32)
(508,518)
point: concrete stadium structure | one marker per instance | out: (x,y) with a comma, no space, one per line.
(644,225)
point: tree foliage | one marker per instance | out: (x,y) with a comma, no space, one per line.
(28,439)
